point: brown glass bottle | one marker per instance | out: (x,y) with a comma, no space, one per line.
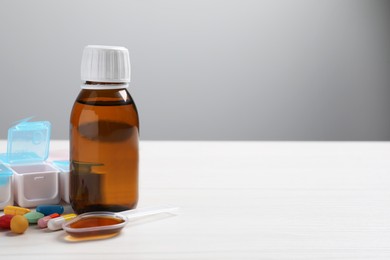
(104,131)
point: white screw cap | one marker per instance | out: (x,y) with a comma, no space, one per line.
(105,64)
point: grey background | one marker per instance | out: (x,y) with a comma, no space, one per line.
(209,70)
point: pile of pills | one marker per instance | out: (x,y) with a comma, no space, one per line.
(18,219)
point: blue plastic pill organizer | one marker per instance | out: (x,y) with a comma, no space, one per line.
(35,181)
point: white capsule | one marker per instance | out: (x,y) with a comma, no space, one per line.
(56,223)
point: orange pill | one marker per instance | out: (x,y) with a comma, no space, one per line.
(19,224)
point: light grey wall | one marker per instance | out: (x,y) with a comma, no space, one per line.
(209,70)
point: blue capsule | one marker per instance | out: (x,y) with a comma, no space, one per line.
(50,209)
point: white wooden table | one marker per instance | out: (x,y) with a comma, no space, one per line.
(244,200)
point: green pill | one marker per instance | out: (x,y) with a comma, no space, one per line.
(33,217)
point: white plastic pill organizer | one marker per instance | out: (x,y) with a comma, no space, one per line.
(25,176)
(6,191)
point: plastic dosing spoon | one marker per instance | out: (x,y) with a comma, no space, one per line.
(100,223)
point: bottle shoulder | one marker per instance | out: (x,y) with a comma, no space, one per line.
(106,106)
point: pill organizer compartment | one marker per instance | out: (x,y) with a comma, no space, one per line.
(63,166)
(36,184)
(6,187)
(35,181)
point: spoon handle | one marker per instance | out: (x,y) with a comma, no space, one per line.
(141,212)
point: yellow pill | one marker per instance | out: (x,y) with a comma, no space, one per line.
(13,210)
(19,224)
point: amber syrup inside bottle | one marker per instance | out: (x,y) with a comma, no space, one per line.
(104,132)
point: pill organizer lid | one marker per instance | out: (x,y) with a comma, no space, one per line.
(28,142)
(63,165)
(5,172)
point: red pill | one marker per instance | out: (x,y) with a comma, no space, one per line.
(5,221)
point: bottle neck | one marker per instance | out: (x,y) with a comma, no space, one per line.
(104,85)
(104,97)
